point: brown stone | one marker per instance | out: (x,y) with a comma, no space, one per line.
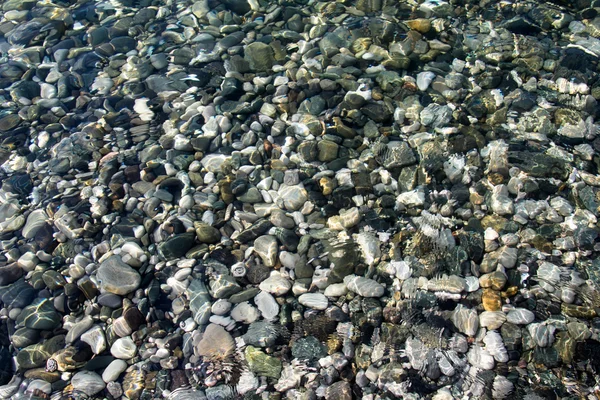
(339,391)
(491,300)
(495,280)
(422,25)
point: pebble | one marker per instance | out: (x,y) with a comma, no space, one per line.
(88,382)
(520,316)
(114,370)
(123,348)
(316,301)
(117,277)
(183,183)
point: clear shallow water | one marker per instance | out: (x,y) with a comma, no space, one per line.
(299,199)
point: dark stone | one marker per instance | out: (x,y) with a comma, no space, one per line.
(176,246)
(18,294)
(10,274)
(123,44)
(308,348)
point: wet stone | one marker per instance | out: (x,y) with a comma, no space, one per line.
(262,364)
(117,277)
(176,246)
(40,315)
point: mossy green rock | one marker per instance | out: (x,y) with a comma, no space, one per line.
(262,364)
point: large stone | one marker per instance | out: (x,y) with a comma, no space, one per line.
(206,233)
(88,382)
(117,277)
(293,197)
(266,247)
(200,303)
(259,56)
(262,364)
(318,301)
(328,150)
(398,154)
(364,287)
(39,315)
(176,246)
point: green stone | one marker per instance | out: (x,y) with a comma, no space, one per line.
(39,315)
(176,246)
(565,345)
(308,348)
(262,364)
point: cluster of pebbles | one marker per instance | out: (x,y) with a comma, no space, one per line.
(299,199)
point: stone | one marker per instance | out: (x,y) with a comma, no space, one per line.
(24,337)
(364,287)
(266,247)
(491,299)
(328,150)
(88,382)
(10,273)
(123,348)
(495,280)
(200,301)
(224,286)
(117,277)
(18,294)
(262,364)
(398,154)
(267,305)
(276,284)
(39,315)
(466,320)
(9,122)
(261,334)
(245,312)
(95,338)
(340,390)
(259,56)
(35,220)
(293,197)
(176,246)
(216,342)
(308,348)
(520,316)
(79,328)
(206,233)
(114,370)
(316,301)
(492,320)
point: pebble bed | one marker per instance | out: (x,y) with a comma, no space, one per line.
(299,199)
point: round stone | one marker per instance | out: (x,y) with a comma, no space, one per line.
(88,382)
(114,370)
(123,348)
(318,301)
(117,277)
(520,316)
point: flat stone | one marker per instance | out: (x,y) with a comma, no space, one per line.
(40,315)
(293,197)
(176,246)
(317,301)
(520,316)
(114,370)
(262,364)
(259,55)
(88,382)
(364,287)
(117,277)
